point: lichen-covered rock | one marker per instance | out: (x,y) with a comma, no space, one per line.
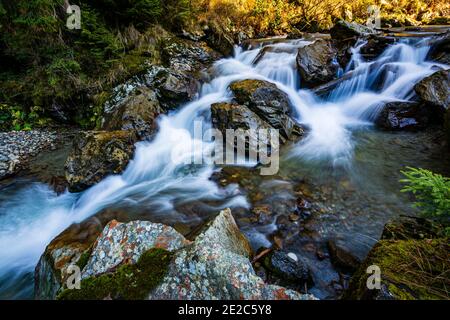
(317,63)
(217,266)
(124,243)
(71,247)
(270,103)
(138,260)
(414,264)
(403,116)
(97,154)
(137,112)
(435,89)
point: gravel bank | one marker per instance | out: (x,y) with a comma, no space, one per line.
(18,147)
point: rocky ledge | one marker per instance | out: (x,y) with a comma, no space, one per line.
(144,260)
(18,147)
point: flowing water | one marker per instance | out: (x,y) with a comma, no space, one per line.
(159,181)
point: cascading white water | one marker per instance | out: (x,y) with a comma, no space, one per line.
(33,216)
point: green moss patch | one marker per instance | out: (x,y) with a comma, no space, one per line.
(129,282)
(410,269)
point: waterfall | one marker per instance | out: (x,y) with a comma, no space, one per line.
(31,217)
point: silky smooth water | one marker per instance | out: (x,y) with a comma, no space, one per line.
(158,177)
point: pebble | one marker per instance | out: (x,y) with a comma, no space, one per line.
(292,256)
(17,147)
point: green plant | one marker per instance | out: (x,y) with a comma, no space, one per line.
(431,190)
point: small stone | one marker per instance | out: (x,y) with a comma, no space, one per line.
(292,256)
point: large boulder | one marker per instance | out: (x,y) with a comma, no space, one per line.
(317,63)
(217,267)
(267,101)
(97,154)
(136,112)
(122,243)
(403,116)
(143,260)
(413,264)
(435,89)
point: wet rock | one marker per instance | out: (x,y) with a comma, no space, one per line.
(274,49)
(440,48)
(59,184)
(217,266)
(375,46)
(219,39)
(413,266)
(124,243)
(343,30)
(137,112)
(97,154)
(435,89)
(234,116)
(270,103)
(71,247)
(288,268)
(345,35)
(317,63)
(403,116)
(342,255)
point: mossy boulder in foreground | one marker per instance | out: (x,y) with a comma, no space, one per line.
(413,256)
(144,260)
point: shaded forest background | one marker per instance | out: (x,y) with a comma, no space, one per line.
(43,63)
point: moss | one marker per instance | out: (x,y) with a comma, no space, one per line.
(129,282)
(410,269)
(84,258)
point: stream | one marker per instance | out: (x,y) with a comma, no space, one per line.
(346,170)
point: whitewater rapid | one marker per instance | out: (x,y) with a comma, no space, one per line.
(34,215)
